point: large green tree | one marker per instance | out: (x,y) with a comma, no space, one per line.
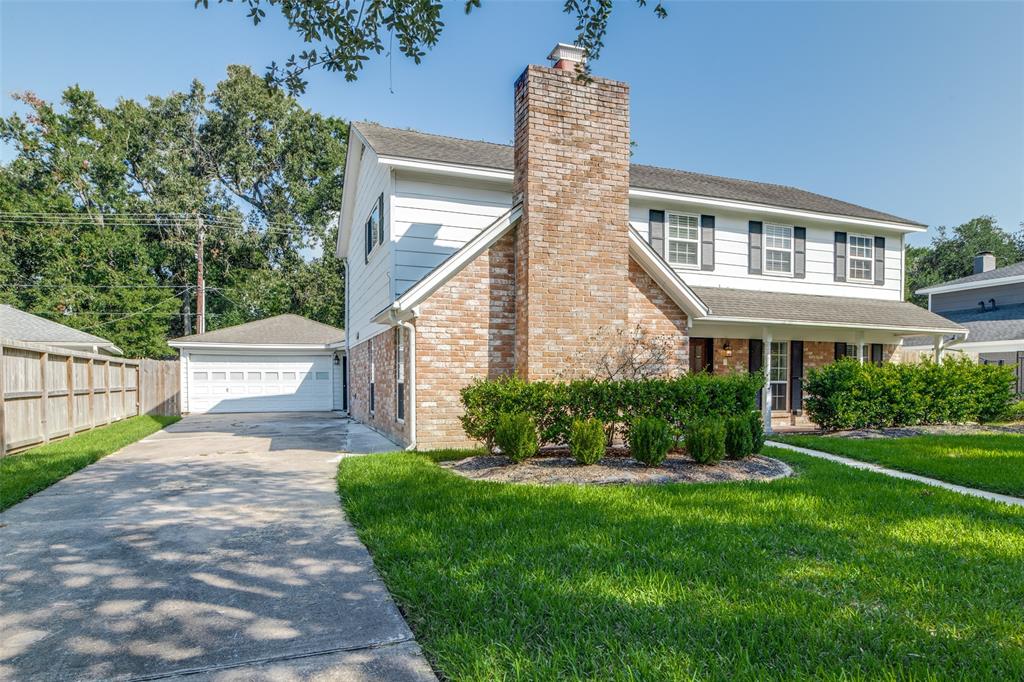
(342,35)
(101,208)
(951,254)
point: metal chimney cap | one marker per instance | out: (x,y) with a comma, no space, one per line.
(567,52)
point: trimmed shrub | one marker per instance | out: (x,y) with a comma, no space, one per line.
(587,440)
(554,406)
(739,441)
(705,440)
(649,440)
(757,437)
(850,395)
(516,435)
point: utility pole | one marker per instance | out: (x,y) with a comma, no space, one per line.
(200,283)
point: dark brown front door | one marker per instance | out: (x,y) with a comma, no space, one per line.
(702,355)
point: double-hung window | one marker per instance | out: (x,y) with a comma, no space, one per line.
(683,239)
(861,258)
(399,374)
(374,228)
(778,249)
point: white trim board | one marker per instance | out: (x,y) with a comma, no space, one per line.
(966,286)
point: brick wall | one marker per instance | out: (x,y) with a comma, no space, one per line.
(738,362)
(465,331)
(572,172)
(385,403)
(651,308)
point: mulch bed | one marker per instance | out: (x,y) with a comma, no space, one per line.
(934,430)
(558,467)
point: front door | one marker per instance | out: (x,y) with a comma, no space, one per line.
(701,355)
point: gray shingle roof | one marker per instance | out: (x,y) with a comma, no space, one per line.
(413,144)
(21,326)
(999,273)
(1005,323)
(279,330)
(854,312)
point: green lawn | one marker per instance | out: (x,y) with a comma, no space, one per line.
(28,473)
(835,574)
(990,462)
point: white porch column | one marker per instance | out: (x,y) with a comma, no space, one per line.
(937,340)
(766,403)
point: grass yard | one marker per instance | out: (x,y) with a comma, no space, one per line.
(33,470)
(990,462)
(833,574)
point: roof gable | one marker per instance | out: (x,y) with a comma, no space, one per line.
(412,144)
(980,279)
(281,330)
(22,326)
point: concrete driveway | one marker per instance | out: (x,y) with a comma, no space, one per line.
(216,548)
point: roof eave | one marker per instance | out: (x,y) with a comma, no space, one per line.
(898,330)
(666,277)
(967,286)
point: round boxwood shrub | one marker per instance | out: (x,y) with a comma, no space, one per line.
(757,437)
(705,440)
(516,435)
(739,441)
(586,440)
(649,440)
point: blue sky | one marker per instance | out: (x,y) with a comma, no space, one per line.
(916,108)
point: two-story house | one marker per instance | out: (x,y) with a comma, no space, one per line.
(990,304)
(470,259)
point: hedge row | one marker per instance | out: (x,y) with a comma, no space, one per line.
(554,406)
(850,395)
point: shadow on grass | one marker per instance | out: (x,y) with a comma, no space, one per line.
(833,573)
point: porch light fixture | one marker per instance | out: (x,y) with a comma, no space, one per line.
(728,349)
(337,360)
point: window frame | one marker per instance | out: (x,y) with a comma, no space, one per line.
(765,249)
(373,227)
(850,258)
(669,239)
(399,375)
(784,382)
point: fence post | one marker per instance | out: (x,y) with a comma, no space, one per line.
(71,394)
(90,369)
(110,404)
(3,414)
(124,395)
(44,403)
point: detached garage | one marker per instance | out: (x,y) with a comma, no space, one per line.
(281,364)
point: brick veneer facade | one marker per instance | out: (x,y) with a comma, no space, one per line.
(652,309)
(383,418)
(571,156)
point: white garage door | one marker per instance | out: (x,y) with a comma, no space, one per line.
(260,383)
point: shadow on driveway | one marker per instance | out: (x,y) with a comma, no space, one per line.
(215,547)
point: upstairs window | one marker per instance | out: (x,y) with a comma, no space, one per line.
(861,258)
(683,239)
(778,249)
(374,228)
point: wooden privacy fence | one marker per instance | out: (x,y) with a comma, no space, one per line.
(48,393)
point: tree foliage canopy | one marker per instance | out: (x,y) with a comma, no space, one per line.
(951,254)
(101,206)
(343,35)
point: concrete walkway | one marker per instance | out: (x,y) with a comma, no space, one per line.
(216,548)
(895,473)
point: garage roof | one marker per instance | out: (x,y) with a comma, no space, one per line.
(281,330)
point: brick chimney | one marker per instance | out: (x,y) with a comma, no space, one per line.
(572,245)
(984,261)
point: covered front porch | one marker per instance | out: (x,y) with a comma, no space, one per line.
(787,335)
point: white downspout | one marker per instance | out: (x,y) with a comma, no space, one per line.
(411,407)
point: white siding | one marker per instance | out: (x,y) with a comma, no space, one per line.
(432,219)
(370,286)
(731,241)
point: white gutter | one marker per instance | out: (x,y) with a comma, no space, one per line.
(200,345)
(966,286)
(901,331)
(411,407)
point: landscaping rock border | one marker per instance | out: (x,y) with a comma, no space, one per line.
(552,469)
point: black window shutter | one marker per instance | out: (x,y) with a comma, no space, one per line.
(876,353)
(755,361)
(383,223)
(709,355)
(796,376)
(368,241)
(840,350)
(754,250)
(656,231)
(800,252)
(840,260)
(707,242)
(879,260)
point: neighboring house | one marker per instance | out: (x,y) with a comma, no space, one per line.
(285,363)
(18,325)
(470,259)
(990,304)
